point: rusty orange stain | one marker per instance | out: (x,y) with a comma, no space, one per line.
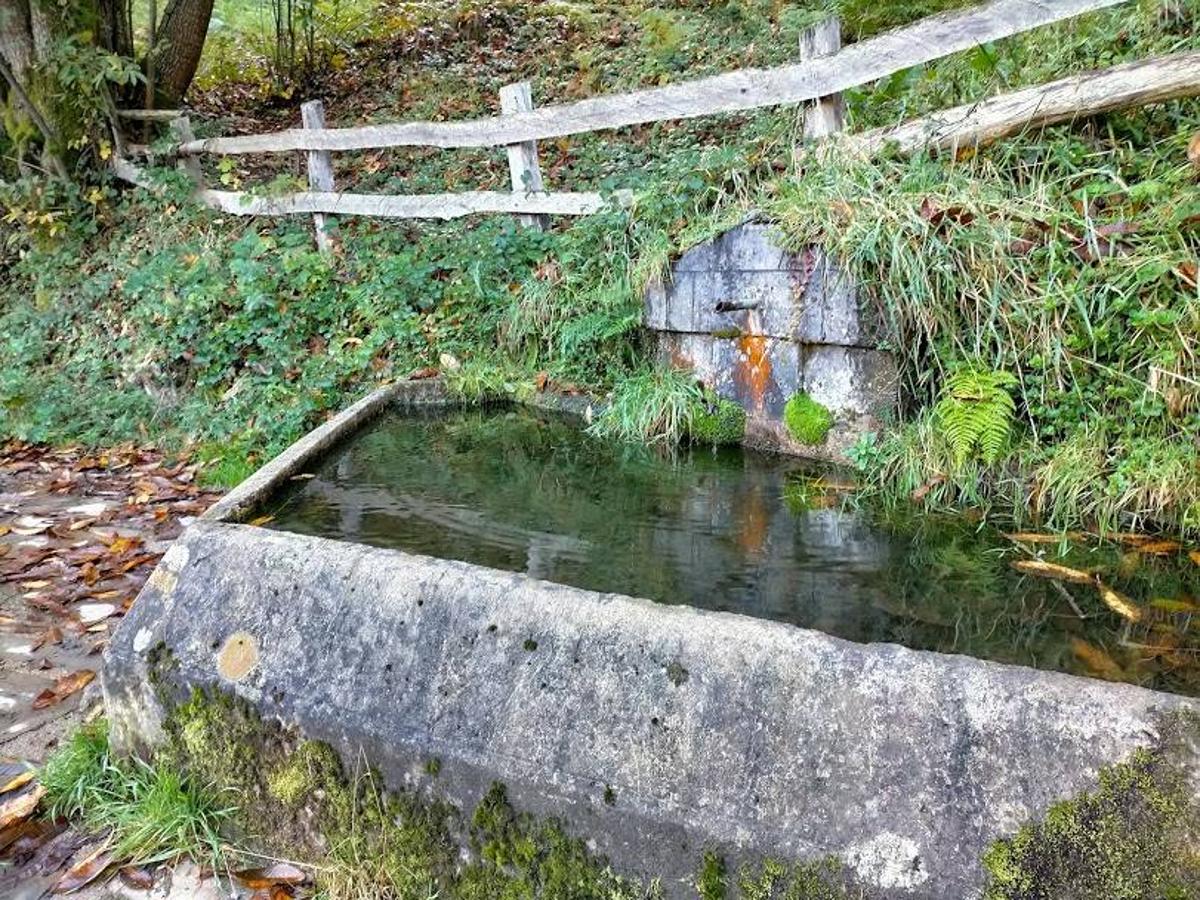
(753,370)
(752,519)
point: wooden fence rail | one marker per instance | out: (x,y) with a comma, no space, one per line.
(926,40)
(824,71)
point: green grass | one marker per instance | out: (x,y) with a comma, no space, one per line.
(654,407)
(151,813)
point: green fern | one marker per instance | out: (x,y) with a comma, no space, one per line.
(975,414)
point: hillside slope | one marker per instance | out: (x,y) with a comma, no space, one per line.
(130,315)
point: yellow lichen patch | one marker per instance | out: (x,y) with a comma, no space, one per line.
(238,656)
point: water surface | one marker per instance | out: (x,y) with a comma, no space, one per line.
(735,530)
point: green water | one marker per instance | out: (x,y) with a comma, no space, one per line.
(738,531)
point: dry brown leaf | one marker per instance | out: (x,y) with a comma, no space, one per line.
(137,877)
(90,867)
(20,806)
(1043,569)
(1193,150)
(1119,603)
(63,688)
(276,874)
(18,781)
(1194,556)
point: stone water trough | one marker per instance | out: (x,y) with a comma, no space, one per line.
(653,732)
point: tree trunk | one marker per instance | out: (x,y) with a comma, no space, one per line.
(180,39)
(114,28)
(16,41)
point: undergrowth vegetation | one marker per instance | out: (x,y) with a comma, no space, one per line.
(149,812)
(1062,265)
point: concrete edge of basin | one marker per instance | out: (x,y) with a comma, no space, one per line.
(710,728)
(247,496)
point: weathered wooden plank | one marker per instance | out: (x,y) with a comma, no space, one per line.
(149,115)
(320,172)
(828,114)
(866,61)
(1092,93)
(181,128)
(523,166)
(132,173)
(419,206)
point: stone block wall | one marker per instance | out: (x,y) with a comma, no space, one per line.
(759,323)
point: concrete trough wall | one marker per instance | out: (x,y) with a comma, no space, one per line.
(652,731)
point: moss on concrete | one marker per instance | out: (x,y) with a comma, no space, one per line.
(294,796)
(717,422)
(806,419)
(1132,838)
(710,879)
(774,880)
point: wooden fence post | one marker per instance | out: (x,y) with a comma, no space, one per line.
(523,158)
(181,129)
(827,114)
(320,173)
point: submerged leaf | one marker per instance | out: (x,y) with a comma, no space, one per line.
(1097,660)
(1043,569)
(1119,603)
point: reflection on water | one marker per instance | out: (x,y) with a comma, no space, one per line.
(738,531)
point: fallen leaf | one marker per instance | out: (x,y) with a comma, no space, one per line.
(94,612)
(84,872)
(1194,556)
(137,877)
(1027,537)
(1158,548)
(1193,150)
(122,545)
(919,494)
(1119,603)
(1096,660)
(261,520)
(1043,569)
(279,873)
(18,781)
(63,688)
(1174,605)
(20,806)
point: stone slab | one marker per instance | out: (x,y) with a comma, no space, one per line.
(802,296)
(708,728)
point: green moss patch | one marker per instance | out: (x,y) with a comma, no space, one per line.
(1133,838)
(807,420)
(294,796)
(718,422)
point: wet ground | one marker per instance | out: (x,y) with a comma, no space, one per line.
(761,535)
(79,534)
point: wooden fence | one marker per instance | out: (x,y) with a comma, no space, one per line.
(825,69)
